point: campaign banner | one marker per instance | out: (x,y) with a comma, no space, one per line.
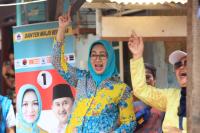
(32,51)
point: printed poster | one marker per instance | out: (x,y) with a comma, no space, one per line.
(32,50)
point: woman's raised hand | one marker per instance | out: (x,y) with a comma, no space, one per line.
(63,22)
(136,45)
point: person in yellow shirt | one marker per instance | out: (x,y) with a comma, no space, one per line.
(170,100)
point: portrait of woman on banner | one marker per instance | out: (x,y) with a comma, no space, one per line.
(29,107)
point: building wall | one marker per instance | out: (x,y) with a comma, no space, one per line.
(82,46)
(155,53)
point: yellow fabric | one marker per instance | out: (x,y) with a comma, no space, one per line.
(112,97)
(62,59)
(163,99)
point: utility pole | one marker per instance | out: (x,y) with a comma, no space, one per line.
(193,48)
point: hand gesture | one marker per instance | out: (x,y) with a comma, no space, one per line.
(136,46)
(64,20)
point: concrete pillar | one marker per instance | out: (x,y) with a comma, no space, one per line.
(18,13)
(99,22)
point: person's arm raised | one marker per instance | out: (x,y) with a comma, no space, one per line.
(148,94)
(136,46)
(63,22)
(68,72)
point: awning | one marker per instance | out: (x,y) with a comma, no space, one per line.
(144,1)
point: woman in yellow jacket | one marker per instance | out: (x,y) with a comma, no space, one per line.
(102,103)
(170,100)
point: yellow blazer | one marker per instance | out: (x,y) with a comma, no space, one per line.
(166,99)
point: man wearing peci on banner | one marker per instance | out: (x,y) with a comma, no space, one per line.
(61,106)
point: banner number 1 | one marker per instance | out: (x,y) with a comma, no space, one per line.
(44,79)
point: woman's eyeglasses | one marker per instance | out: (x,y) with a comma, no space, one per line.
(100,56)
(180,64)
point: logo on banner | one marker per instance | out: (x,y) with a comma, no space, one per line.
(41,61)
(24,62)
(18,37)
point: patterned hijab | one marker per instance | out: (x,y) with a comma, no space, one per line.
(110,70)
(21,125)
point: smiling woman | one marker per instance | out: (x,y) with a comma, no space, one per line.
(103,103)
(104,66)
(29,107)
